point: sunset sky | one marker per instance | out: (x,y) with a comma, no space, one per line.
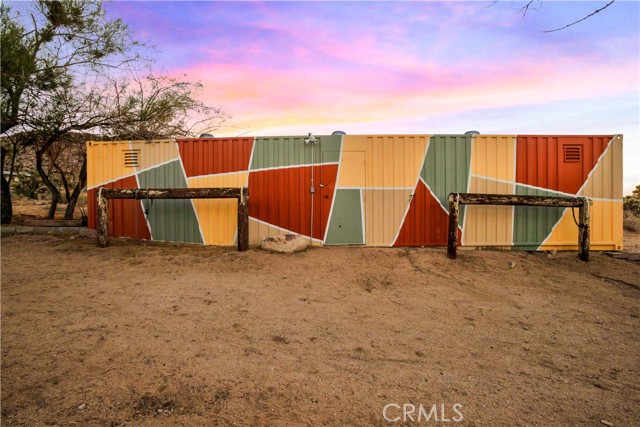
(405,67)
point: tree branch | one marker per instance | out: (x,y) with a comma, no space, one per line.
(580,20)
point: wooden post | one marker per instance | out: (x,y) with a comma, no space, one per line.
(243,220)
(452,243)
(103,220)
(584,230)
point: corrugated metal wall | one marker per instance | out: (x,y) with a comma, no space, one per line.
(377,190)
(378,174)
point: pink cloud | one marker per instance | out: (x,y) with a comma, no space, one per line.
(259,96)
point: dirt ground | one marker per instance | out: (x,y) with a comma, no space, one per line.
(150,334)
(27,209)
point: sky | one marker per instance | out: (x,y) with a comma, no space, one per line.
(289,68)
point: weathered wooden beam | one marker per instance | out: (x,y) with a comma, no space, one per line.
(516,200)
(171,193)
(103,219)
(243,220)
(584,225)
(452,242)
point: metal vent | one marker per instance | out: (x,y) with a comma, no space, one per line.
(572,153)
(131,158)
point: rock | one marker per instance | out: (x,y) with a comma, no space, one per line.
(285,243)
(607,423)
(553,251)
(81,407)
(512,264)
(88,233)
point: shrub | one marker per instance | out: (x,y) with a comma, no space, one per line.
(632,202)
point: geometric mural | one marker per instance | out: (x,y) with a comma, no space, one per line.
(376,190)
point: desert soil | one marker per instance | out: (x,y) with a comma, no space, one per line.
(150,334)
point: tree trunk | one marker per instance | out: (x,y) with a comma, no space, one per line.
(55,194)
(6,207)
(73,200)
(12,168)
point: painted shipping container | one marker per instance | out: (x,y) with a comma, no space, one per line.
(375,190)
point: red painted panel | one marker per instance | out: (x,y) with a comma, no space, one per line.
(126,218)
(215,155)
(282,197)
(540,160)
(426,222)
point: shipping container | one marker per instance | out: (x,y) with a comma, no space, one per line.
(374,190)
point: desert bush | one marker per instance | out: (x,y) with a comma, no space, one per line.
(28,184)
(632,202)
(631,222)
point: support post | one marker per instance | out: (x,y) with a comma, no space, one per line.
(452,242)
(584,230)
(243,220)
(103,220)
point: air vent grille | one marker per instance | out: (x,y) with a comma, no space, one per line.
(572,153)
(131,158)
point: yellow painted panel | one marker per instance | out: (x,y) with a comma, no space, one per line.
(606,228)
(488,225)
(352,169)
(105,162)
(153,153)
(493,156)
(391,161)
(218,218)
(605,181)
(383,215)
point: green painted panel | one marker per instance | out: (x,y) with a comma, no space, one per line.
(345,224)
(279,151)
(533,224)
(447,167)
(170,220)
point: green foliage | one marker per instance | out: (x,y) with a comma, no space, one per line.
(632,202)
(28,184)
(58,41)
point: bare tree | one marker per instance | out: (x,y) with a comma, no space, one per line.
(157,106)
(61,121)
(53,116)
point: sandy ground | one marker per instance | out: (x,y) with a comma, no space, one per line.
(149,334)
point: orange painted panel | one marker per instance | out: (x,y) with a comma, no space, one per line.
(426,223)
(548,161)
(282,197)
(215,155)
(126,218)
